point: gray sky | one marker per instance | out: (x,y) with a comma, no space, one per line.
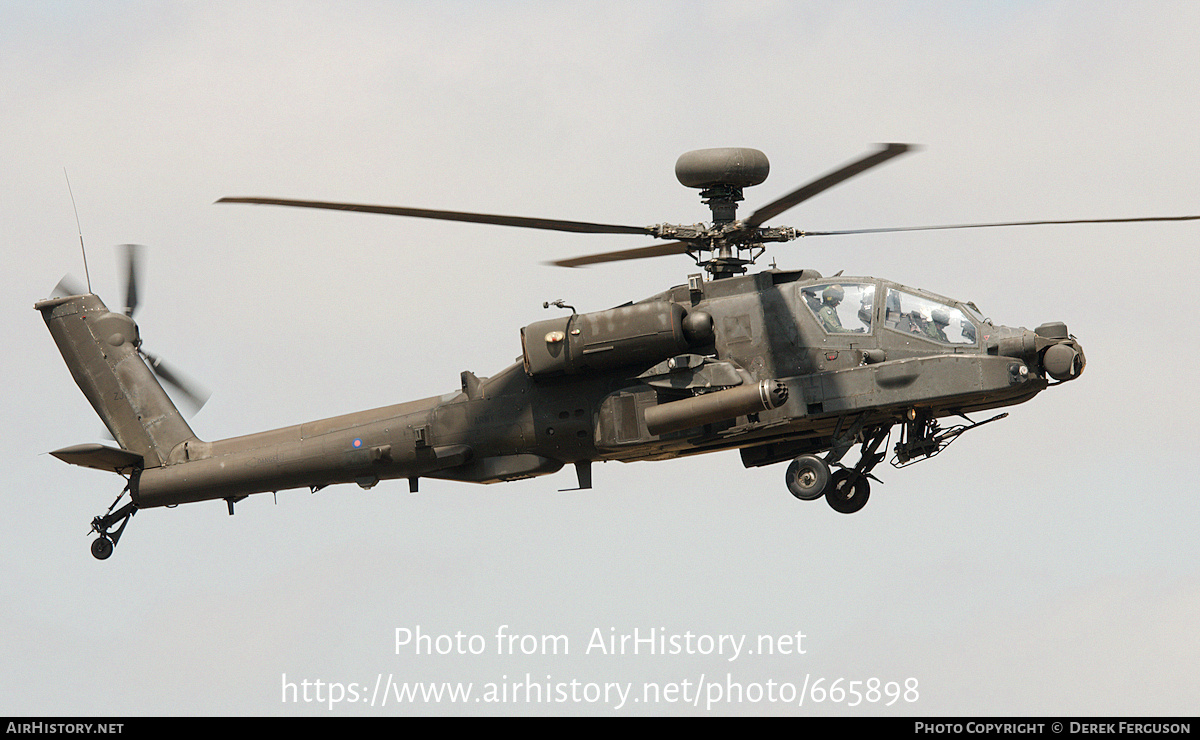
(1045,564)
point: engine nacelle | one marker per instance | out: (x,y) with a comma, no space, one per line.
(641,333)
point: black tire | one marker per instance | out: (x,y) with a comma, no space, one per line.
(102,547)
(848,491)
(808,477)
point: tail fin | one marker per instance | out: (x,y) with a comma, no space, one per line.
(101,351)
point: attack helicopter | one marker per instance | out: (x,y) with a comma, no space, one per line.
(782,365)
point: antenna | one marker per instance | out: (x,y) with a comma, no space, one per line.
(80,228)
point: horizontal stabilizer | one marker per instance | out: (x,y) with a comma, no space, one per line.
(100,457)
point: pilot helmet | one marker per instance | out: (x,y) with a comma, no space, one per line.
(941,316)
(833,293)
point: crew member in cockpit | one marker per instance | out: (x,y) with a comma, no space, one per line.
(830,298)
(936,329)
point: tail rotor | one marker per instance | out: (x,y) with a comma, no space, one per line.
(188,390)
(195,395)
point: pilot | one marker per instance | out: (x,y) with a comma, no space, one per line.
(936,329)
(830,298)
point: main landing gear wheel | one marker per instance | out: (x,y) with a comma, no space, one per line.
(807,477)
(848,491)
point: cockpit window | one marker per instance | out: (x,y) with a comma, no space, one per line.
(841,308)
(927,318)
(973,311)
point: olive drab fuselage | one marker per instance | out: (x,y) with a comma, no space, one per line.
(780,365)
(690,361)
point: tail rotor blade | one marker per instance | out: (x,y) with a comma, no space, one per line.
(193,393)
(133,264)
(69,285)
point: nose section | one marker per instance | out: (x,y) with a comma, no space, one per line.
(1062,358)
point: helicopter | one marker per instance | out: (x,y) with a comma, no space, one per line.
(782,365)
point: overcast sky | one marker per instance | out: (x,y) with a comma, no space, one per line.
(1045,564)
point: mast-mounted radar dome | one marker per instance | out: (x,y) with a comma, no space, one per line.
(736,166)
(721,174)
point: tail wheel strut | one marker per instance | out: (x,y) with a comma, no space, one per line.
(102,546)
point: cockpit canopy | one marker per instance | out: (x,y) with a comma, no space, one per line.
(849,308)
(932,319)
(842,308)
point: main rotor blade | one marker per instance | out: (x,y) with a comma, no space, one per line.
(655,250)
(1003,223)
(580,227)
(823,183)
(133,263)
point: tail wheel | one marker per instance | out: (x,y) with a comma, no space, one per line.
(110,526)
(102,547)
(808,477)
(848,491)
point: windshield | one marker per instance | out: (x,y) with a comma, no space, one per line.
(973,311)
(931,319)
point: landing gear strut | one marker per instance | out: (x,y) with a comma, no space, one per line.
(847,490)
(102,546)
